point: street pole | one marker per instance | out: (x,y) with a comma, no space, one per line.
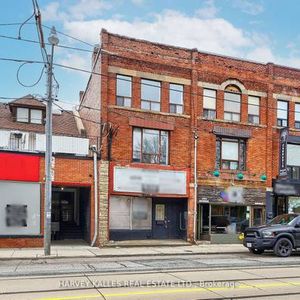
(195,185)
(53,40)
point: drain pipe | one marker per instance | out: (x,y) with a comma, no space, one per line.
(195,184)
(94,150)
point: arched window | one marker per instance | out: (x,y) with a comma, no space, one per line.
(232,103)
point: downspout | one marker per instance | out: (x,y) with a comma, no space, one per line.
(195,184)
(93,148)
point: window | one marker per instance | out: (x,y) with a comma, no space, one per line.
(16,141)
(124,88)
(232,106)
(130,213)
(293,161)
(35,116)
(22,114)
(297,115)
(27,115)
(150,95)
(209,104)
(231,154)
(176,98)
(282,113)
(253,110)
(150,146)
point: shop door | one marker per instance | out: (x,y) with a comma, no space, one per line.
(258,216)
(169,219)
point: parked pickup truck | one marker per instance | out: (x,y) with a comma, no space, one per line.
(281,234)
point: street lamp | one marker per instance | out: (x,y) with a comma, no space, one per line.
(53,40)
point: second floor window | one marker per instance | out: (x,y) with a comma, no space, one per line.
(124,88)
(176,98)
(282,113)
(150,94)
(232,106)
(231,154)
(209,104)
(297,115)
(27,115)
(253,110)
(150,146)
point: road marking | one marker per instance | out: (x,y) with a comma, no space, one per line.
(181,290)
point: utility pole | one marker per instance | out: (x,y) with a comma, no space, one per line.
(53,40)
(195,184)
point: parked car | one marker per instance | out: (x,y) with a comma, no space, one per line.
(281,234)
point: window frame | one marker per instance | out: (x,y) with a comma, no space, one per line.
(176,105)
(279,121)
(297,122)
(242,157)
(151,101)
(36,119)
(29,118)
(28,114)
(252,115)
(122,96)
(230,112)
(209,114)
(141,147)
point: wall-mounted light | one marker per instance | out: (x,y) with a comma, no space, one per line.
(263,177)
(216,173)
(240,176)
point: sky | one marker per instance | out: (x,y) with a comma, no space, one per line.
(259,30)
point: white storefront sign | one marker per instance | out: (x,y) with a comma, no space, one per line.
(19,208)
(137,180)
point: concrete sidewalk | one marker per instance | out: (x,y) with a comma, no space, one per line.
(85,251)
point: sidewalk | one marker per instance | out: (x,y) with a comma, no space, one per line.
(85,251)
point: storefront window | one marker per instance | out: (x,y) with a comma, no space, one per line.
(228,219)
(294,204)
(130,213)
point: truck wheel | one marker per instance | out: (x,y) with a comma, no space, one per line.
(283,247)
(256,251)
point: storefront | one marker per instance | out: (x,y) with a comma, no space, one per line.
(286,188)
(20,205)
(225,213)
(147,204)
(286,197)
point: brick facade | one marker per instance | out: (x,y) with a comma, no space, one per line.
(196,71)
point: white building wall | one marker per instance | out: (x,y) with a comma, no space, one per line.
(61,144)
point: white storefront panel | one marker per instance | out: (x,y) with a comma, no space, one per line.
(137,180)
(19,208)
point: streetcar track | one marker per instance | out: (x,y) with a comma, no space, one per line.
(63,273)
(154,284)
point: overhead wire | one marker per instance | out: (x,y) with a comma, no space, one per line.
(170,89)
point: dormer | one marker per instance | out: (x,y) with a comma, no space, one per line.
(28,110)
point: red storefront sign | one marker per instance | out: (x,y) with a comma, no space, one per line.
(19,167)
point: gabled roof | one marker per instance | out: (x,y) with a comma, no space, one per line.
(63,124)
(28,100)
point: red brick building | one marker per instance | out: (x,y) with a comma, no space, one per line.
(163,98)
(22,176)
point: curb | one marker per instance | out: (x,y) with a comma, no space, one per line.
(118,256)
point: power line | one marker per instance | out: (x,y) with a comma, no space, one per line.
(37,42)
(170,89)
(146,84)
(21,60)
(71,37)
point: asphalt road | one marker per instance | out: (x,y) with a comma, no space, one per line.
(223,276)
